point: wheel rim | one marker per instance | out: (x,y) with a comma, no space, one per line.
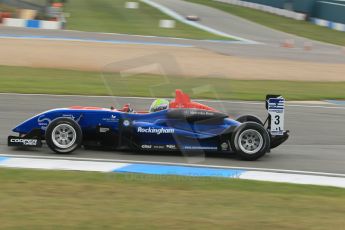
(250,141)
(64,136)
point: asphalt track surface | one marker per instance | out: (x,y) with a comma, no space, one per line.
(317,140)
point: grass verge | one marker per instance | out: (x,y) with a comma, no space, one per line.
(300,28)
(54,81)
(6,8)
(112,16)
(35,199)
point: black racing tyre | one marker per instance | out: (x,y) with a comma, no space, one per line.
(252,118)
(63,135)
(250,141)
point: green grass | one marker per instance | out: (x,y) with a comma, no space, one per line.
(6,8)
(53,81)
(37,2)
(36,199)
(300,28)
(112,16)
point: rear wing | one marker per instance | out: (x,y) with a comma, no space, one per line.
(275,106)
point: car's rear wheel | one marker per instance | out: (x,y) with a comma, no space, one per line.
(250,141)
(63,135)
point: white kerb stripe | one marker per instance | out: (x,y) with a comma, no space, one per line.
(294,178)
(338,26)
(51,25)
(14,22)
(62,164)
(322,22)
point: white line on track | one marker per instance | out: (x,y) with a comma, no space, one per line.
(169,38)
(124,40)
(201,100)
(176,164)
(116,42)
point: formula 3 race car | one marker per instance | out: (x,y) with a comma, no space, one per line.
(184,126)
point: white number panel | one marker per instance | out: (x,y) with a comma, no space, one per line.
(276,108)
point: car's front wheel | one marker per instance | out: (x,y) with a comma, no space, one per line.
(250,141)
(63,135)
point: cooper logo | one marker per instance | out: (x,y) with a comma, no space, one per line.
(146,146)
(27,142)
(154,130)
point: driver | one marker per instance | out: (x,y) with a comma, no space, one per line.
(158,105)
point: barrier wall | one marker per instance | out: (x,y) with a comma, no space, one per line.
(269,9)
(329,24)
(329,13)
(273,3)
(303,6)
(39,24)
(331,10)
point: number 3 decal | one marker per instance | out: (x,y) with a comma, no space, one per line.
(277,120)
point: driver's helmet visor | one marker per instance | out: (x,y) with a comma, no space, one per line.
(158,105)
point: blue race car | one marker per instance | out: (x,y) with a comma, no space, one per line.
(179,125)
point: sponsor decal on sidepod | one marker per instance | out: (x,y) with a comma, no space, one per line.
(146,146)
(154,130)
(43,122)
